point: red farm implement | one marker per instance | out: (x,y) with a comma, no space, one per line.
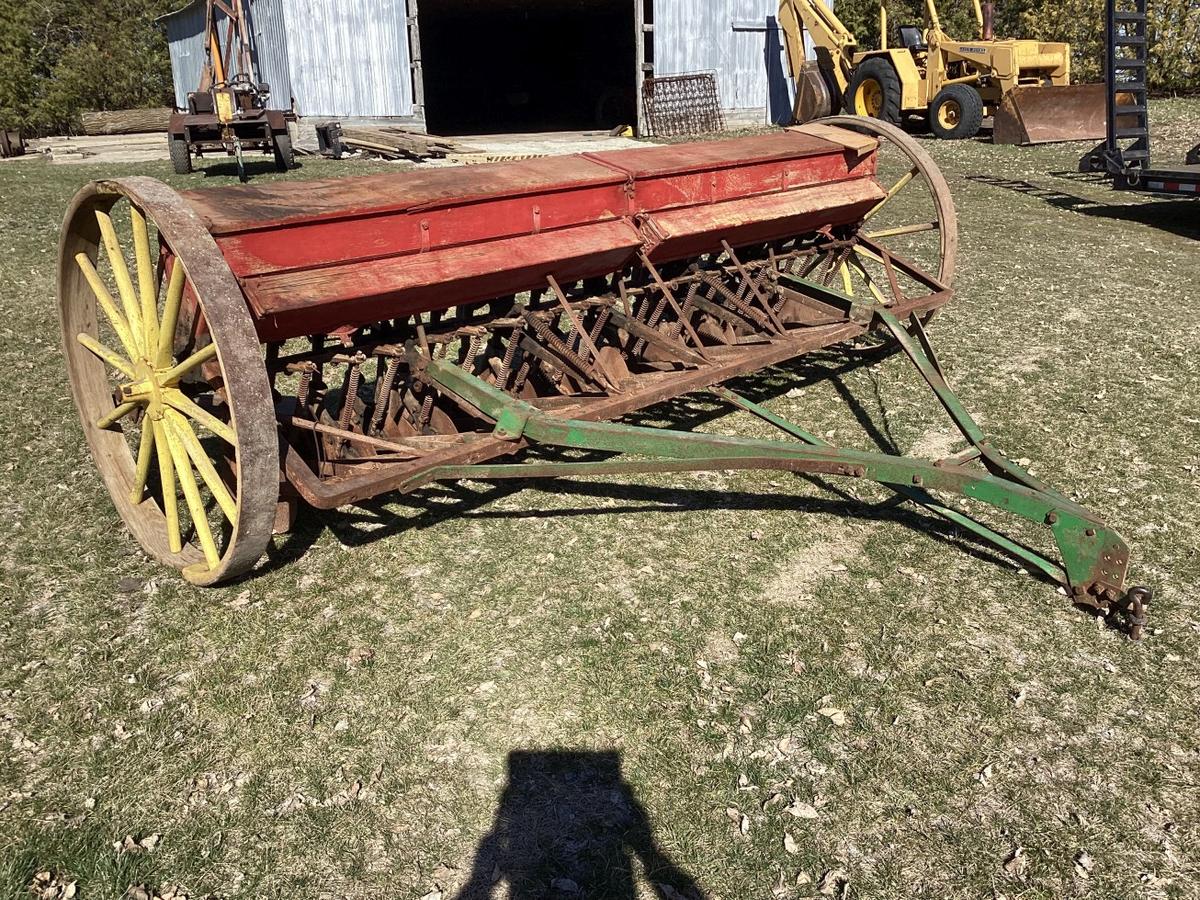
(330,341)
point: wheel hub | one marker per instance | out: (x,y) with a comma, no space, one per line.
(949,114)
(146,391)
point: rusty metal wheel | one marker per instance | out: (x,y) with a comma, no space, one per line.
(168,376)
(916,221)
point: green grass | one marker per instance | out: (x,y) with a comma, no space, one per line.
(694,625)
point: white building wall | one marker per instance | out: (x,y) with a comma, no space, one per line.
(740,41)
(349,58)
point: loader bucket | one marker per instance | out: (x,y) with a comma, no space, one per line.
(813,97)
(1043,115)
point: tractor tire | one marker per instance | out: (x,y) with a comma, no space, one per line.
(284,157)
(956,113)
(181,160)
(875,91)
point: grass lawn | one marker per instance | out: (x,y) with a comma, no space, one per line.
(732,685)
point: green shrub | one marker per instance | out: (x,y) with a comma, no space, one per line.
(58,57)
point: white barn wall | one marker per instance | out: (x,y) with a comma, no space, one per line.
(349,59)
(740,41)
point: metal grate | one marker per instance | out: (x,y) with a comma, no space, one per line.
(682,104)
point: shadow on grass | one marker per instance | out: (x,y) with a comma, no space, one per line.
(227,168)
(1178,216)
(569,824)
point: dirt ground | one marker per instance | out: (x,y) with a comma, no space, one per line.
(727,685)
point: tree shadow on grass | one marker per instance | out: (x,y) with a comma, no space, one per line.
(569,825)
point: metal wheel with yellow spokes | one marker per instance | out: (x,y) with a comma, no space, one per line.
(915,222)
(168,376)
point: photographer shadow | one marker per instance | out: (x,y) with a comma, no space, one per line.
(569,825)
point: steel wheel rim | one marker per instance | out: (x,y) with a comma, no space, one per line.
(250,420)
(931,176)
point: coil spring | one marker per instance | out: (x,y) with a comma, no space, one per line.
(652,321)
(383,396)
(302,390)
(510,353)
(468,362)
(555,342)
(427,404)
(351,396)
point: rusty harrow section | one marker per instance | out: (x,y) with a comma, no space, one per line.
(331,341)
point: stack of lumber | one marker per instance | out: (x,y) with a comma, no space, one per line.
(120,148)
(395,143)
(126,121)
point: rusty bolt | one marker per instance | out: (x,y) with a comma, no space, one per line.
(1090,532)
(1051,517)
(917,479)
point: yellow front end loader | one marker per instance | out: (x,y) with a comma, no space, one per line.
(1024,84)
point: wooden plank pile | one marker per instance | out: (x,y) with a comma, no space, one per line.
(117,148)
(391,142)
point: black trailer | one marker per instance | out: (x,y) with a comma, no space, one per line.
(1125,153)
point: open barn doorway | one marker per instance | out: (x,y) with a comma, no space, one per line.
(506,66)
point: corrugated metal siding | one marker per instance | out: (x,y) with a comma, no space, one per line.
(185,40)
(739,40)
(349,59)
(268,32)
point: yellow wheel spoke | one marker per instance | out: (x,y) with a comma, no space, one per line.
(847,284)
(183,432)
(900,230)
(166,474)
(166,330)
(116,259)
(204,354)
(868,254)
(191,493)
(175,398)
(147,283)
(109,356)
(116,415)
(145,452)
(869,282)
(105,299)
(893,191)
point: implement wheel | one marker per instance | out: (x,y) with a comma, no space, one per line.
(181,159)
(168,376)
(916,221)
(285,157)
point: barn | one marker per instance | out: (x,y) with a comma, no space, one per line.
(499,66)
